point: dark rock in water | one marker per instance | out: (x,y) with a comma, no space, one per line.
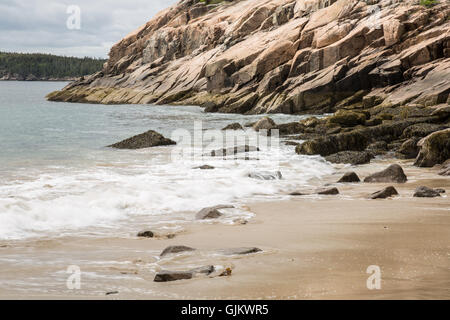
(265,123)
(409,148)
(349,177)
(211,212)
(425,192)
(240,251)
(328,191)
(146,234)
(144,140)
(266,175)
(439,190)
(385,193)
(175,249)
(204,167)
(434,149)
(166,275)
(298,193)
(111,292)
(394,173)
(234,126)
(352,157)
(232,151)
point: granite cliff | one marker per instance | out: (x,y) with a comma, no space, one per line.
(279,56)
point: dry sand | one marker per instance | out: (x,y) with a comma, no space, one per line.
(313,248)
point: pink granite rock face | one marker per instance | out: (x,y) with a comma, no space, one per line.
(270,56)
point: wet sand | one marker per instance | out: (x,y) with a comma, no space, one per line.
(313,248)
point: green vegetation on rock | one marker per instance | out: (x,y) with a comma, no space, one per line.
(428,3)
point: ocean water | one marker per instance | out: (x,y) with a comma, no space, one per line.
(57,178)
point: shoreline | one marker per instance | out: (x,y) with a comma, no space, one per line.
(313,248)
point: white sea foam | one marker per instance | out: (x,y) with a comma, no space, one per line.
(155,188)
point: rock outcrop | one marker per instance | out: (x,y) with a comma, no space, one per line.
(434,149)
(280,56)
(144,140)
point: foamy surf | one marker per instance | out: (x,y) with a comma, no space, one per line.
(157,190)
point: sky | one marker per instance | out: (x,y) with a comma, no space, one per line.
(72,27)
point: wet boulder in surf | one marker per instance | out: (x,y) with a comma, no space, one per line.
(146,234)
(144,140)
(328,191)
(211,212)
(393,173)
(175,249)
(425,192)
(385,193)
(349,177)
(166,275)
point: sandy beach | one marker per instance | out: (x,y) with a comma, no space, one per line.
(312,248)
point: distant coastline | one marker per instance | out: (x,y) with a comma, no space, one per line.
(34,78)
(46,67)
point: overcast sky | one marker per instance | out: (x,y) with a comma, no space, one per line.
(41,25)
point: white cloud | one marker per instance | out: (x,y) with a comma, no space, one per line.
(40,25)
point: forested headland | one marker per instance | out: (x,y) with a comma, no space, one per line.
(38,66)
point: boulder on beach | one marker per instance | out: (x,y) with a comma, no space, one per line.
(425,192)
(146,234)
(328,191)
(166,275)
(175,249)
(352,157)
(234,126)
(393,173)
(239,251)
(144,140)
(211,212)
(349,177)
(385,193)
(434,149)
(266,175)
